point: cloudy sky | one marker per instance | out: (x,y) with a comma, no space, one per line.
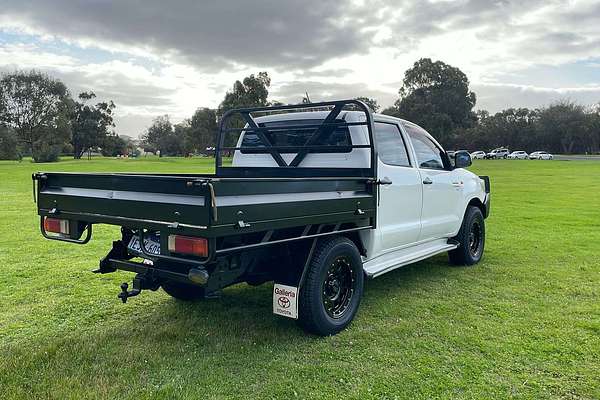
(157,57)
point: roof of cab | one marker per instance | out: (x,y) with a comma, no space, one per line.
(350,116)
(346,115)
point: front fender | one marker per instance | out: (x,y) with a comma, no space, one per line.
(476,191)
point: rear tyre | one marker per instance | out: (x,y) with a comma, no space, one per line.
(471,239)
(183,291)
(331,293)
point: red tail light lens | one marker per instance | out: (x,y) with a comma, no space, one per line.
(54,225)
(188,245)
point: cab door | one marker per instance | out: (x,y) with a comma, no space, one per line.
(442,186)
(400,191)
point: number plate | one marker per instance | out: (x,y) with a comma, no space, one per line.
(151,244)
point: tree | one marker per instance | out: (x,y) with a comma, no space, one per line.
(593,123)
(52,140)
(174,143)
(91,123)
(372,103)
(164,137)
(8,144)
(564,127)
(515,128)
(114,145)
(202,130)
(251,92)
(156,134)
(36,107)
(436,96)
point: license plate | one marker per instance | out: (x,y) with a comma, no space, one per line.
(151,244)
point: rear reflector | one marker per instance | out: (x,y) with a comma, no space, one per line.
(188,245)
(54,225)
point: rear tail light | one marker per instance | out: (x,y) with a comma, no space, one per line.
(188,245)
(54,225)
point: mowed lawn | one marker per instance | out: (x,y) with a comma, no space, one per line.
(524,323)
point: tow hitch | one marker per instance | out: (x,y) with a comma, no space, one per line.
(140,282)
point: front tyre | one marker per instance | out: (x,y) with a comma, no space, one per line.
(471,239)
(331,293)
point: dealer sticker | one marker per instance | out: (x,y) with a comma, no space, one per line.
(285,300)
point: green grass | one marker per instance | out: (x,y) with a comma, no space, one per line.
(523,323)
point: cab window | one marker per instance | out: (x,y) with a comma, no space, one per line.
(390,145)
(295,133)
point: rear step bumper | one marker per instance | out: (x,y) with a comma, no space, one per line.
(194,275)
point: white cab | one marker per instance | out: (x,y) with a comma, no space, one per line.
(422,197)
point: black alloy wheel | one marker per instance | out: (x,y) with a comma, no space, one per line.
(338,287)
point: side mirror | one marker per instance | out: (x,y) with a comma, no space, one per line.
(462,159)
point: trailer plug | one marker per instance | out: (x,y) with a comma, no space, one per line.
(125,294)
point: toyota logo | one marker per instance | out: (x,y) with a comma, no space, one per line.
(283,302)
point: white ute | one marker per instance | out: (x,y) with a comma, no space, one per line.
(427,204)
(313,201)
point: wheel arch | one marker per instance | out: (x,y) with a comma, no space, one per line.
(476,202)
(358,242)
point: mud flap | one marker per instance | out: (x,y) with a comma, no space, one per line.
(285,300)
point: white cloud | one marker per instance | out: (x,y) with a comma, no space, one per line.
(495,97)
(163,57)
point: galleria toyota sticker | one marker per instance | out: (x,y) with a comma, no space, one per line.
(285,300)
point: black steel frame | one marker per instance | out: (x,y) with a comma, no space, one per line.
(285,169)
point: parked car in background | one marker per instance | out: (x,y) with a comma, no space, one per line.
(518,155)
(478,154)
(500,152)
(540,155)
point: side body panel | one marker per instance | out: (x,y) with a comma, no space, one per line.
(444,203)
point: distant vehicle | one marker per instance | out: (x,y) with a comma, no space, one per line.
(478,154)
(540,155)
(500,152)
(518,155)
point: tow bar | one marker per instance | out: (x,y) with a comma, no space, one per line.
(140,282)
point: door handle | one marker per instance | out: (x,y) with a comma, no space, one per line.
(427,181)
(384,181)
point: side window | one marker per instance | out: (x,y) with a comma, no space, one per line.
(390,145)
(428,154)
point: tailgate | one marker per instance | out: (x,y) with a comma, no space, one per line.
(131,200)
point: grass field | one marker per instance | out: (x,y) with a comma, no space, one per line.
(524,323)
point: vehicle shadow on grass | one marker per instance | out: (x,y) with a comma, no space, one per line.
(244,312)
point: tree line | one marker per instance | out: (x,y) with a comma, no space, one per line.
(436,96)
(39,118)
